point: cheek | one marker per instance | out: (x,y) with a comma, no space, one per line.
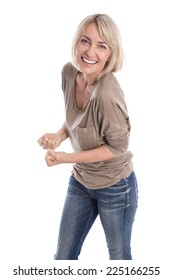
(105,58)
(79,49)
(77,53)
(108,56)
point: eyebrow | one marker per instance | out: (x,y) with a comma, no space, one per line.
(90,40)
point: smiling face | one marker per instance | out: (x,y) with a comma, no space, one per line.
(92,52)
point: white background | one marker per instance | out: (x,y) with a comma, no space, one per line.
(35,44)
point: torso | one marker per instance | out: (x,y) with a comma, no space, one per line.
(87,115)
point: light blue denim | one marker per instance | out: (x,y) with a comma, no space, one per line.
(116,207)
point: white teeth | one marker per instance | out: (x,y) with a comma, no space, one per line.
(88,61)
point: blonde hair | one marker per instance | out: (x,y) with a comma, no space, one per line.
(109,32)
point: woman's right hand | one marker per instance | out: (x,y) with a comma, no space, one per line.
(50,140)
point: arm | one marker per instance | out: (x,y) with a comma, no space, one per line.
(88,156)
(62,133)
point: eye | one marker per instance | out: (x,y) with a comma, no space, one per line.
(102,47)
(84,41)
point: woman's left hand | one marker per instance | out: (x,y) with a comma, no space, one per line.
(53,158)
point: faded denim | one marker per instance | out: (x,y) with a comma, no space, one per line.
(116,207)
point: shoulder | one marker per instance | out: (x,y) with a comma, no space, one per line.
(68,75)
(68,69)
(109,98)
(108,89)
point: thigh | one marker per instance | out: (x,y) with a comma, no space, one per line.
(79,213)
(117,206)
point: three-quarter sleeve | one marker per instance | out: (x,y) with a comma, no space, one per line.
(114,122)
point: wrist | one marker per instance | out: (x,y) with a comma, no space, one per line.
(61,134)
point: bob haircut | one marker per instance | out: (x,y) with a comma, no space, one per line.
(109,32)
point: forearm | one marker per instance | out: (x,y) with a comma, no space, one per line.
(62,132)
(88,156)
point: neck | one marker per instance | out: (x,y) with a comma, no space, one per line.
(88,81)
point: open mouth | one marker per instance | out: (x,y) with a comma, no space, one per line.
(89,61)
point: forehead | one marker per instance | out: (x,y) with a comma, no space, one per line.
(92,31)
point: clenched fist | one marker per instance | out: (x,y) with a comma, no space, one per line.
(53,158)
(50,141)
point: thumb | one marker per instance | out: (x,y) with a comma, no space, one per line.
(51,153)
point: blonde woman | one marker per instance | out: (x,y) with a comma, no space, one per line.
(103,181)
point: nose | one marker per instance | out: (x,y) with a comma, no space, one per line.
(91,50)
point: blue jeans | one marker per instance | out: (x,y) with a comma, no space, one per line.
(116,207)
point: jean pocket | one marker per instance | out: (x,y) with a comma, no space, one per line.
(87,137)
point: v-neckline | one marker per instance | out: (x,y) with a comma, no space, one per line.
(74,96)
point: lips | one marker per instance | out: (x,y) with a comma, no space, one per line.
(89,61)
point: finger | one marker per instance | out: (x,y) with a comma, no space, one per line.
(49,160)
(45,138)
(40,141)
(46,143)
(50,144)
(51,153)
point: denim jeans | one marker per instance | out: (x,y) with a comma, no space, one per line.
(116,207)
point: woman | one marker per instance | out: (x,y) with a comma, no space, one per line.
(103,181)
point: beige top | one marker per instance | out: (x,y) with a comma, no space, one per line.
(104,120)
